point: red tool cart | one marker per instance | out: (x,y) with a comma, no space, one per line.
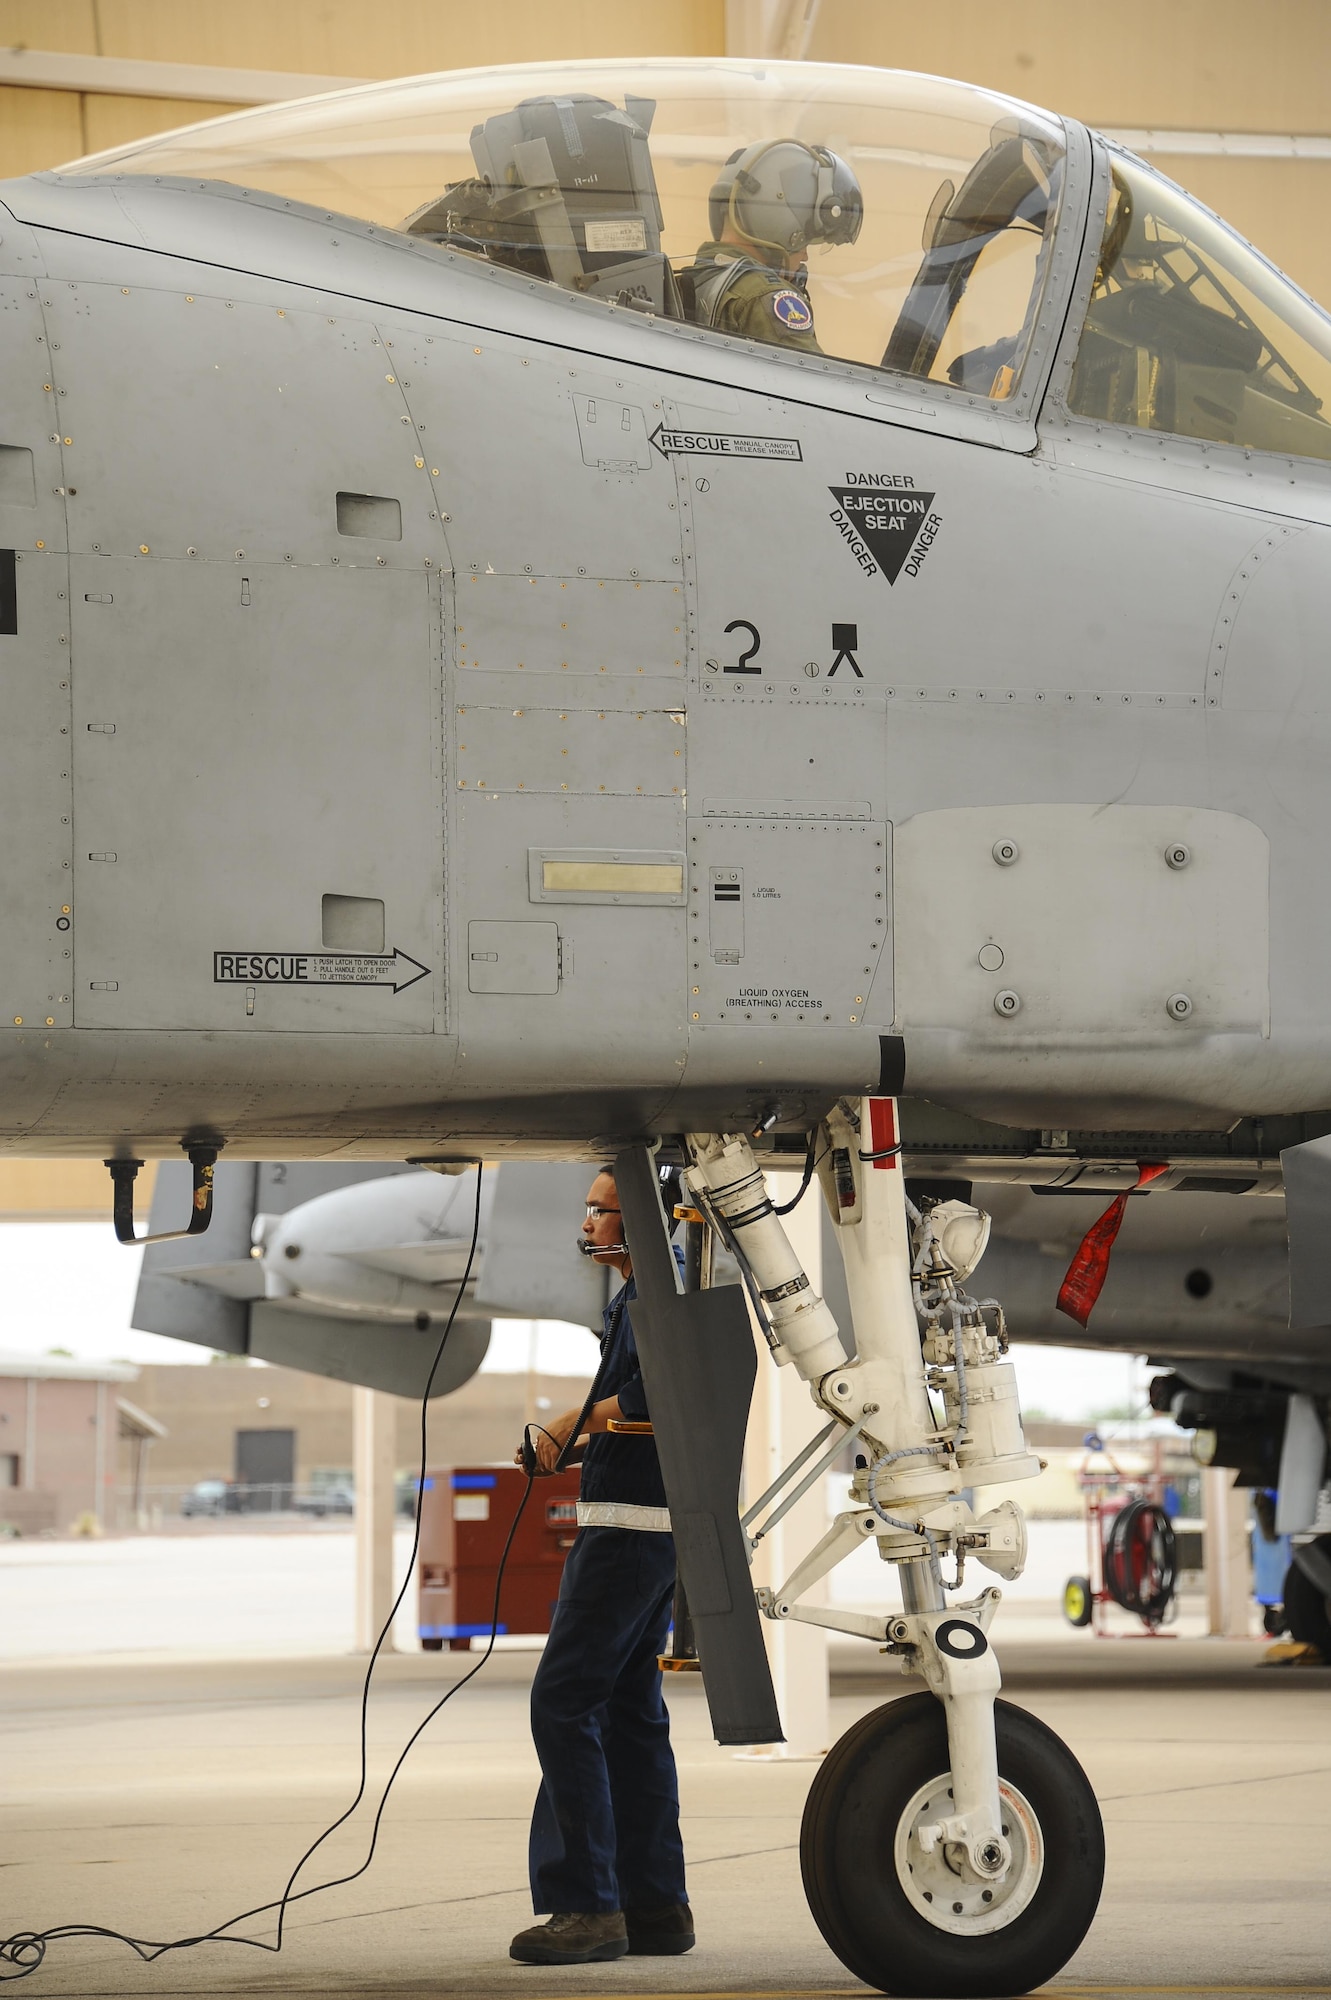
(1131,1551)
(466,1513)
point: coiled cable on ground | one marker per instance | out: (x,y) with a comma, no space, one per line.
(23,1952)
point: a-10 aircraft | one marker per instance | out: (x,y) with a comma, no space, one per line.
(486,676)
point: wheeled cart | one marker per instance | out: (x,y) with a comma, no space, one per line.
(1131,1553)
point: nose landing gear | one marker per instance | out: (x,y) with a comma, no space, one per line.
(898,1910)
(951,1843)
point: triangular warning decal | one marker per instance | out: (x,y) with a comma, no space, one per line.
(886,524)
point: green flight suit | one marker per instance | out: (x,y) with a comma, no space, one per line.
(758,302)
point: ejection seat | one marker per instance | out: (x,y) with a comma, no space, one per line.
(564,190)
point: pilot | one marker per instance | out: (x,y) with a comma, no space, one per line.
(769,203)
(605,1855)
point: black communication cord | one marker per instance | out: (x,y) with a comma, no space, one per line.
(24,1952)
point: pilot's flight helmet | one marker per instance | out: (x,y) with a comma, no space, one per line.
(783,195)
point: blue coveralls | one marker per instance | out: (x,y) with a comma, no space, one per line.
(605,1828)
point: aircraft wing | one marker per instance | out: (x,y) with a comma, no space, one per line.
(237,1280)
(396,1359)
(213,1292)
(213,1316)
(222,1296)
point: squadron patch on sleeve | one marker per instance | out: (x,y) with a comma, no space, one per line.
(793,311)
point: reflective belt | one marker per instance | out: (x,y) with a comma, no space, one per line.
(622,1514)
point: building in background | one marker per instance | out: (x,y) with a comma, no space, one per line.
(80,75)
(236,1421)
(67,1438)
(75,1449)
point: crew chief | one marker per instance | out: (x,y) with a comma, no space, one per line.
(605,1855)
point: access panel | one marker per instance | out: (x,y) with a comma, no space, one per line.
(256,764)
(788,920)
(512,958)
(1030,923)
(35,890)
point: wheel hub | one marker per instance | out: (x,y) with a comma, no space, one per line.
(934,1883)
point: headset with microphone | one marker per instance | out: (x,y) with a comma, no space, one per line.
(589,1249)
(601,1249)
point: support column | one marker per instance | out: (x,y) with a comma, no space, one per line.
(99,1476)
(781,28)
(1228,1560)
(30,1436)
(373,1454)
(783,1419)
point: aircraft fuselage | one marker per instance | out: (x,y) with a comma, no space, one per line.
(444,710)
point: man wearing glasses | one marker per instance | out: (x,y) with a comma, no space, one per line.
(605,1854)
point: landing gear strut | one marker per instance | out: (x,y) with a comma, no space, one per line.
(951,1843)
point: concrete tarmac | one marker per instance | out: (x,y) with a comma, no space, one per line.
(162,1797)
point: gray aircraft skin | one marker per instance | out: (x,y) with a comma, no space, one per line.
(512,643)
(459,704)
(1191,1275)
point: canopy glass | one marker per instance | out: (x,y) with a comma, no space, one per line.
(927,208)
(1190,331)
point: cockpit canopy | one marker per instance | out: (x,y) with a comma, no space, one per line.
(598,177)
(1191,332)
(927,210)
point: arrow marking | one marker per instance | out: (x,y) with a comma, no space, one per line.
(722,444)
(318,968)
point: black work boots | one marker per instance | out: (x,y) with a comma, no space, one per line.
(573,1937)
(581,1937)
(661,1933)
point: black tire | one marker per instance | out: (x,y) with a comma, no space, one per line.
(1078,1602)
(432,1645)
(847,1856)
(1307,1609)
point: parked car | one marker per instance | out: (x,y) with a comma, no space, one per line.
(210,1496)
(321,1500)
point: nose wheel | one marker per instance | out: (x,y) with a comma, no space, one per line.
(904,1914)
